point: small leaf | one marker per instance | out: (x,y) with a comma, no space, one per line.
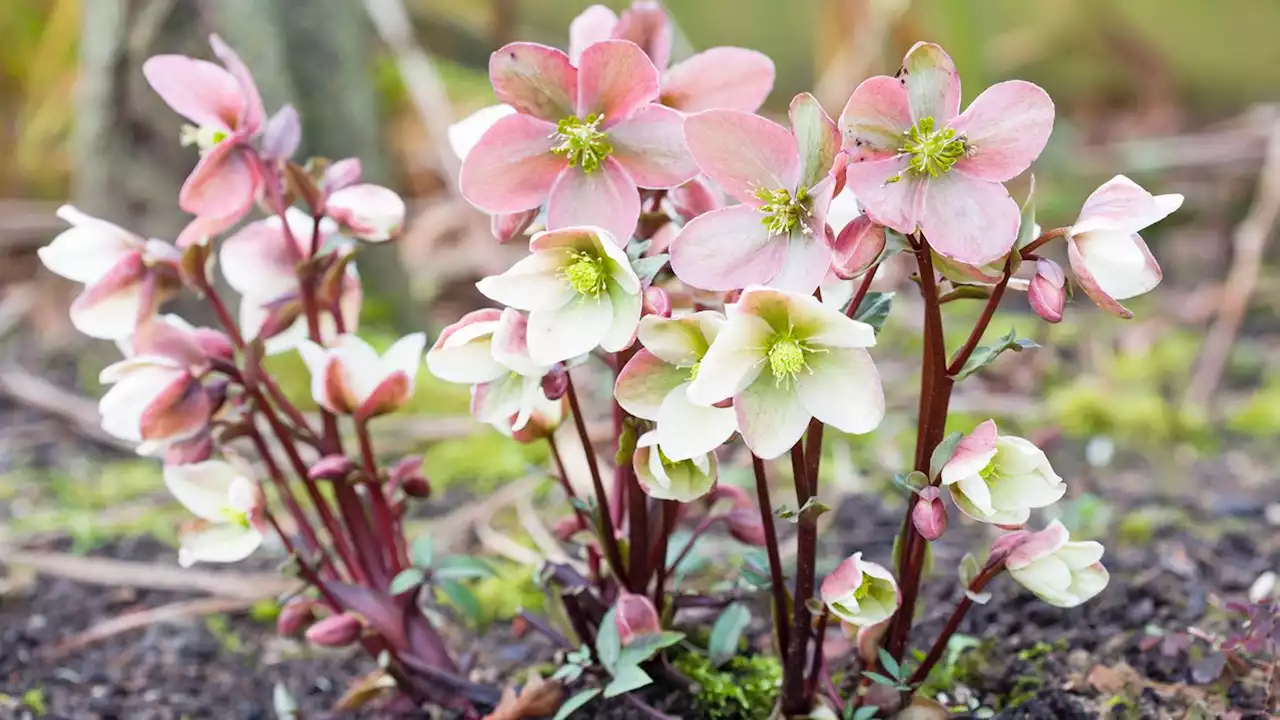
(874,309)
(576,702)
(461,598)
(866,712)
(813,507)
(283,703)
(608,642)
(461,567)
(406,580)
(986,354)
(1027,229)
(913,482)
(646,268)
(628,678)
(785,512)
(422,553)
(943,452)
(726,634)
(889,664)
(969,569)
(643,648)
(981,598)
(879,679)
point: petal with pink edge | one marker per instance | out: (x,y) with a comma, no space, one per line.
(534,79)
(678,341)
(533,283)
(258,262)
(1005,129)
(842,389)
(969,220)
(198,90)
(771,416)
(730,78)
(251,114)
(645,23)
(569,331)
(592,25)
(973,453)
(896,204)
(650,145)
(817,139)
(512,167)
(743,152)
(686,430)
(222,185)
(645,381)
(875,119)
(933,85)
(1122,204)
(727,249)
(733,362)
(1112,260)
(606,198)
(615,78)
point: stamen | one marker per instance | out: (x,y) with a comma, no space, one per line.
(587,274)
(933,152)
(582,142)
(782,211)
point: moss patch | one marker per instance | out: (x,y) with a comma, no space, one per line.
(746,688)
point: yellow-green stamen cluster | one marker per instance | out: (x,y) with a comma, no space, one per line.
(693,371)
(582,142)
(786,358)
(587,274)
(236,517)
(204,137)
(933,152)
(782,211)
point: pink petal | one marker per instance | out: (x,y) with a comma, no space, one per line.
(1005,129)
(897,204)
(771,417)
(1037,545)
(727,249)
(222,185)
(969,220)
(743,152)
(198,90)
(177,412)
(846,578)
(388,396)
(816,137)
(592,25)
(933,85)
(875,119)
(693,199)
(535,79)
(645,382)
(512,168)
(857,247)
(203,229)
(645,23)
(1121,204)
(730,78)
(109,308)
(606,198)
(615,78)
(251,114)
(973,453)
(258,261)
(650,145)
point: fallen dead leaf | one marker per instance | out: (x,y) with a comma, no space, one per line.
(538,697)
(364,690)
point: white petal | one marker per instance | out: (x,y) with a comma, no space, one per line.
(771,417)
(626,318)
(217,544)
(110,318)
(405,356)
(534,283)
(85,253)
(1117,263)
(360,364)
(678,341)
(842,389)
(203,488)
(464,134)
(569,331)
(733,361)
(686,430)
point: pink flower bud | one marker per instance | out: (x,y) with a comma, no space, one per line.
(282,134)
(295,616)
(335,631)
(331,467)
(635,617)
(745,526)
(857,248)
(369,212)
(929,515)
(656,302)
(416,487)
(506,227)
(556,382)
(408,475)
(1047,292)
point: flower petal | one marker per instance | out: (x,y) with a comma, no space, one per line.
(969,220)
(110,308)
(743,152)
(203,488)
(217,544)
(730,78)
(179,411)
(259,262)
(615,78)
(464,134)
(805,266)
(533,283)
(727,249)
(1112,265)
(842,389)
(606,198)
(897,204)
(687,431)
(198,90)
(771,416)
(645,382)
(734,360)
(645,23)
(88,250)
(1005,128)
(678,341)
(569,331)
(817,139)
(592,25)
(466,356)
(535,79)
(650,145)
(933,85)
(1121,204)
(875,119)
(627,306)
(405,356)
(252,113)
(511,168)
(222,185)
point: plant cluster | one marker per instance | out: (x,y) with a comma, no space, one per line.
(715,262)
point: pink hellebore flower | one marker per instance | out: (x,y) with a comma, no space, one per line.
(654,385)
(463,135)
(126,278)
(785,358)
(998,479)
(350,379)
(369,212)
(663,478)
(915,164)
(635,617)
(226,108)
(1058,571)
(784,179)
(579,289)
(1108,256)
(583,140)
(860,592)
(228,506)
(722,77)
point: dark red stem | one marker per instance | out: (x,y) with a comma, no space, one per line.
(794,699)
(605,528)
(776,580)
(953,623)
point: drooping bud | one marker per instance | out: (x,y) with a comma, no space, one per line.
(745,526)
(509,226)
(929,515)
(331,467)
(635,617)
(335,631)
(295,616)
(408,475)
(369,212)
(567,527)
(656,302)
(1047,292)
(556,382)
(857,248)
(281,135)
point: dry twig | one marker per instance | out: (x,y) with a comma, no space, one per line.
(139,619)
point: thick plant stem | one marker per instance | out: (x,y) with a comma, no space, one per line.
(795,700)
(669,511)
(309,538)
(605,527)
(861,293)
(953,623)
(385,525)
(815,666)
(638,529)
(776,582)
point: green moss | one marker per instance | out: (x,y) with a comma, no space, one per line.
(511,589)
(484,461)
(219,626)
(265,610)
(746,688)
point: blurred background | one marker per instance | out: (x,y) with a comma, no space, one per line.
(1149,420)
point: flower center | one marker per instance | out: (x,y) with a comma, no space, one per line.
(587,274)
(786,358)
(203,137)
(932,152)
(782,211)
(236,517)
(693,371)
(582,142)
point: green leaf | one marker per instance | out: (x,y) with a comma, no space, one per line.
(282,701)
(943,453)
(608,642)
(628,678)
(866,712)
(461,567)
(645,647)
(462,599)
(813,507)
(879,679)
(574,703)
(647,267)
(889,664)
(913,482)
(1027,223)
(406,580)
(984,355)
(423,552)
(969,569)
(726,634)
(874,309)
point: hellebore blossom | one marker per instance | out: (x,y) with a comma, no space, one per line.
(1108,256)
(784,179)
(635,616)
(915,164)
(654,385)
(126,278)
(226,108)
(1059,572)
(1047,292)
(860,593)
(785,358)
(579,289)
(369,212)
(998,479)
(857,247)
(463,135)
(583,139)
(229,510)
(721,77)
(350,379)
(663,478)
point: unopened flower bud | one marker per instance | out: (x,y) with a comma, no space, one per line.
(929,515)
(509,226)
(335,631)
(331,467)
(857,248)
(1047,292)
(295,616)
(635,617)
(417,487)
(745,526)
(656,302)
(556,382)
(369,212)
(408,475)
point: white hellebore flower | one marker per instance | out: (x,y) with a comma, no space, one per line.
(350,379)
(662,478)
(860,593)
(654,384)
(998,479)
(579,289)
(1058,571)
(1108,256)
(785,358)
(227,505)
